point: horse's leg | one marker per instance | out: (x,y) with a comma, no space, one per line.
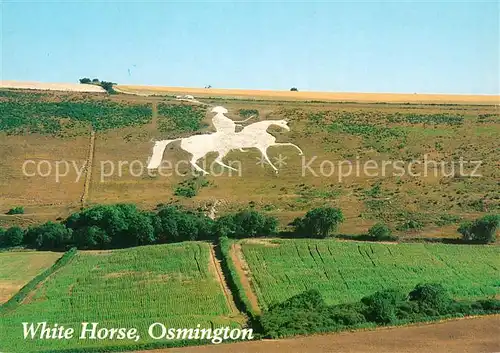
(157,155)
(263,150)
(193,162)
(288,144)
(219,161)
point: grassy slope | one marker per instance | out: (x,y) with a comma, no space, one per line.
(347,271)
(327,131)
(20,267)
(134,287)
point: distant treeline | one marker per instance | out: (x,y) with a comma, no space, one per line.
(124,225)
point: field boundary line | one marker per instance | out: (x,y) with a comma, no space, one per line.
(24,293)
(242,269)
(222,281)
(88,169)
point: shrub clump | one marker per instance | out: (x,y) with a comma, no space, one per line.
(381,232)
(16,210)
(482,230)
(246,224)
(318,222)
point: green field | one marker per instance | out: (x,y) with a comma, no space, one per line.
(18,268)
(347,271)
(172,284)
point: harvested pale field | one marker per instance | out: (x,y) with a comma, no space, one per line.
(18,268)
(470,335)
(314,96)
(51,86)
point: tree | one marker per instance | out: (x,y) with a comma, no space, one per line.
(13,237)
(95,80)
(120,225)
(246,224)
(382,305)
(318,222)
(380,231)
(294,89)
(85,80)
(431,295)
(482,230)
(178,224)
(108,86)
(48,236)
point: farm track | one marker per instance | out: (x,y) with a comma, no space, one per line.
(215,262)
(471,335)
(242,269)
(88,169)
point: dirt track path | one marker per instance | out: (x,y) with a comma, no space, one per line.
(88,169)
(471,335)
(242,269)
(216,267)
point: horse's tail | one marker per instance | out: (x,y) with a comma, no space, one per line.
(157,156)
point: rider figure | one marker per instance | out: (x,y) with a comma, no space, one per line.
(222,123)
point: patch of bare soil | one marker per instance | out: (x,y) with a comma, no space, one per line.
(243,272)
(215,267)
(471,335)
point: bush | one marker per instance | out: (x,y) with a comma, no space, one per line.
(176,224)
(48,236)
(319,222)
(85,80)
(382,305)
(482,230)
(380,232)
(16,210)
(121,225)
(12,237)
(432,296)
(108,86)
(294,89)
(246,224)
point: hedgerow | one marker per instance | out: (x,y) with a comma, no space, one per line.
(308,313)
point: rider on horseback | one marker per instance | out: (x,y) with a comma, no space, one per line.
(222,123)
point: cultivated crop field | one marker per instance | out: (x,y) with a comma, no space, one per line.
(18,267)
(345,272)
(172,284)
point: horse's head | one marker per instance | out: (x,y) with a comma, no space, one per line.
(219,109)
(282,123)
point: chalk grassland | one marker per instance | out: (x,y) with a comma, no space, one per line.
(318,96)
(172,284)
(18,268)
(325,131)
(347,271)
(331,132)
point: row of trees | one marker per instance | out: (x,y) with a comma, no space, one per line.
(124,225)
(108,86)
(308,313)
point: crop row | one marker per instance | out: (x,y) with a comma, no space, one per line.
(134,287)
(346,271)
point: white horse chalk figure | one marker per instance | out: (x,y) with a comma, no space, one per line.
(224,140)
